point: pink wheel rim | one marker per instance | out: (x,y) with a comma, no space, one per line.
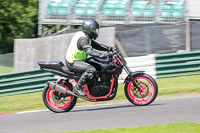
(53,104)
(148,84)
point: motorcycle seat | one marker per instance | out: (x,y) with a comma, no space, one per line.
(56,67)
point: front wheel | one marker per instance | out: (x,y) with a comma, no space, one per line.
(58,102)
(147,93)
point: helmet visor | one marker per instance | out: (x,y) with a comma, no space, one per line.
(96,31)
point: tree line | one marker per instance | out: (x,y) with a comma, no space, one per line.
(18,19)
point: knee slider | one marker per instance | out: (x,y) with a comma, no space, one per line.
(90,72)
(90,75)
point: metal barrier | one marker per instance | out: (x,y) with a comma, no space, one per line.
(166,65)
(172,65)
(23,82)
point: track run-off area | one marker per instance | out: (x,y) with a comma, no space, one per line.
(105,116)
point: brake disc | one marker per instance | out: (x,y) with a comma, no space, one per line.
(58,98)
(143,94)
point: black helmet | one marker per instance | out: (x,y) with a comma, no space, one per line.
(91,28)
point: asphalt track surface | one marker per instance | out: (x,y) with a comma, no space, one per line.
(104,117)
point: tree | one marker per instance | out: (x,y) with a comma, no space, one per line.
(18,19)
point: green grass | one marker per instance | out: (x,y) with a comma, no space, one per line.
(5,69)
(166,128)
(179,84)
(24,102)
(33,101)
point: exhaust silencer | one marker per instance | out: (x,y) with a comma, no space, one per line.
(61,89)
(64,91)
(57,87)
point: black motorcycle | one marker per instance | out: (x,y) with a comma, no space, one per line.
(58,96)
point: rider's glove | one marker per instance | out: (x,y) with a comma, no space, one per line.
(112,49)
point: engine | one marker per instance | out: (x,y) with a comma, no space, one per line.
(100,90)
(102,86)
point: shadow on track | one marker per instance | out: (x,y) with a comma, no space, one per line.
(114,107)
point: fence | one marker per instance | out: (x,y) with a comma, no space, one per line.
(6,60)
(138,40)
(159,66)
(112,11)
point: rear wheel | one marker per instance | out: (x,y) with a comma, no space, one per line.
(148,93)
(58,102)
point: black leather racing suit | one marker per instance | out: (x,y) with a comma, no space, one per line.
(87,70)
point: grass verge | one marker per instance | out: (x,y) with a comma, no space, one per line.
(166,128)
(4,69)
(167,86)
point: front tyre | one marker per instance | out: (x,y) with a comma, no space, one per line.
(148,93)
(58,102)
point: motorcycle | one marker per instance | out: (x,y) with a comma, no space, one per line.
(58,96)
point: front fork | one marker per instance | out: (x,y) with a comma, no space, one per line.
(132,75)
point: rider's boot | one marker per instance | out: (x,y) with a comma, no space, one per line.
(77,90)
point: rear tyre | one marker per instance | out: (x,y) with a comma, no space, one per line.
(58,102)
(149,90)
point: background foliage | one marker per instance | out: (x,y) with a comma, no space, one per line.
(18,19)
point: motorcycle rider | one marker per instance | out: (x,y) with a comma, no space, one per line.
(82,45)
